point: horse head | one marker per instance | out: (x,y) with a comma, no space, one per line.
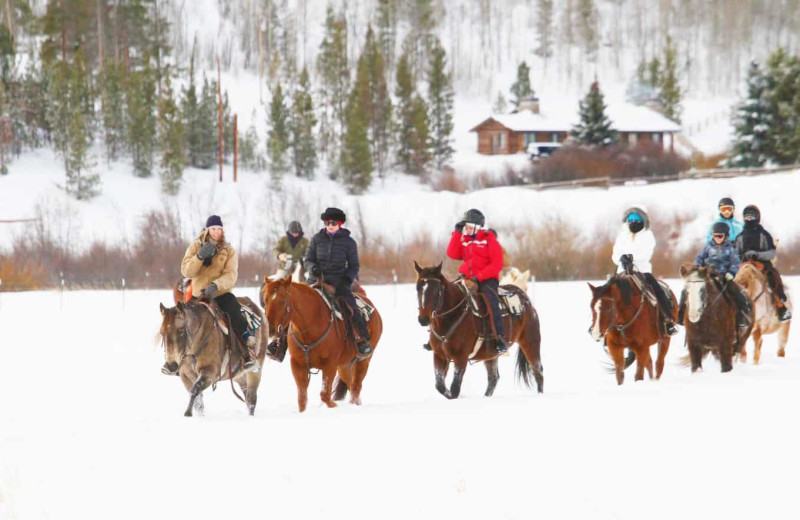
(607,301)
(696,282)
(275,300)
(750,278)
(173,334)
(430,291)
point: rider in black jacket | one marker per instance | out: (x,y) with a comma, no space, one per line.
(333,254)
(755,243)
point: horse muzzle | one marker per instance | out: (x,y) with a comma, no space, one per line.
(170,369)
(424,320)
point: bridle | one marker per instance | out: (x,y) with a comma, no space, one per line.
(705,281)
(620,327)
(435,314)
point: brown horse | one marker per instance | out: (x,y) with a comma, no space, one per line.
(317,340)
(199,352)
(456,333)
(626,318)
(754,283)
(710,319)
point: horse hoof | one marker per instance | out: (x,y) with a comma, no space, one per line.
(331,404)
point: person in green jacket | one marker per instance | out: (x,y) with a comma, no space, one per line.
(290,249)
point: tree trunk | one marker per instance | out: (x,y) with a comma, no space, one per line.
(219,111)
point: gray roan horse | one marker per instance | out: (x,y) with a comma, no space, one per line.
(199,352)
(710,319)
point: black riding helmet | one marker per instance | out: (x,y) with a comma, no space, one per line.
(720,228)
(473,216)
(751,213)
(726,201)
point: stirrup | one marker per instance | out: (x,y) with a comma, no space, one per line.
(364,349)
(427,346)
(501,346)
(250,365)
(786,316)
(671,328)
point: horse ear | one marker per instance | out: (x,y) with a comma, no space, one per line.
(683,271)
(180,306)
(163,309)
(417,268)
(439,267)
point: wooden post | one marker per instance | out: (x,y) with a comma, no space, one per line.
(219,125)
(235,148)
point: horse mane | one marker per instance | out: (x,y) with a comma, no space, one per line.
(622,283)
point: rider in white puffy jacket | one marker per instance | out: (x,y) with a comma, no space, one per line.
(633,250)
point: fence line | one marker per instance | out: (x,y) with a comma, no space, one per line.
(714,173)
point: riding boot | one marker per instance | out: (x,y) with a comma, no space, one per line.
(664,304)
(742,306)
(784,314)
(427,346)
(363,345)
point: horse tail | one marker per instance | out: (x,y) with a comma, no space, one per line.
(523,369)
(630,358)
(685,361)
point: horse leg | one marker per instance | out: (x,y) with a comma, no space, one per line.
(663,348)
(328,374)
(339,388)
(459,367)
(250,389)
(301,379)
(199,407)
(197,388)
(696,356)
(529,345)
(359,373)
(617,355)
(493,374)
(642,360)
(783,337)
(440,367)
(758,340)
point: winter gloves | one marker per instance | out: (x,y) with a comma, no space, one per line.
(460,226)
(206,251)
(210,291)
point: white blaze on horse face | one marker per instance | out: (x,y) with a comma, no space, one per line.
(695,303)
(596,334)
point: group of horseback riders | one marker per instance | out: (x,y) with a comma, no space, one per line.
(728,243)
(332,255)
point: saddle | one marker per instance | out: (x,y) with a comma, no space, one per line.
(253,320)
(328,294)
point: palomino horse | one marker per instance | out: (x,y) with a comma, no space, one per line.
(455,333)
(754,283)
(201,354)
(626,318)
(710,319)
(300,311)
(518,278)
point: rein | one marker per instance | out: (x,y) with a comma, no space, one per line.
(306,348)
(437,315)
(621,328)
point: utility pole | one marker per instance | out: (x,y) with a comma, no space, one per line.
(235,148)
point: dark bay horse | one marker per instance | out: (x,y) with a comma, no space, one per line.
(754,282)
(625,318)
(317,340)
(455,331)
(197,350)
(710,319)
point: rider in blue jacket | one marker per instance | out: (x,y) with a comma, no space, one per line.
(726,208)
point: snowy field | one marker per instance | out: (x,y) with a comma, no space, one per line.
(91,429)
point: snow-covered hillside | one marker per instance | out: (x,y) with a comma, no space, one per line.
(92,430)
(397,209)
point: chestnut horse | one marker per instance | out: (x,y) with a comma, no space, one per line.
(196,349)
(455,332)
(626,318)
(317,340)
(710,319)
(754,282)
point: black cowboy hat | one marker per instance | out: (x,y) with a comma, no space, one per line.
(334,214)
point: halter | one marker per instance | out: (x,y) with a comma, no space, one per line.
(436,315)
(705,281)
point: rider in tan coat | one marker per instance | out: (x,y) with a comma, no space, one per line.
(213,265)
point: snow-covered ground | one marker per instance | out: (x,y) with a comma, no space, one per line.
(91,429)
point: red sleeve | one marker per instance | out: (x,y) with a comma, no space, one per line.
(492,270)
(454,248)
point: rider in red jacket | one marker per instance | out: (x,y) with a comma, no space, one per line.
(482,262)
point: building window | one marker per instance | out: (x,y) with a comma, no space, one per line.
(530,137)
(498,142)
(554,137)
(656,137)
(632,138)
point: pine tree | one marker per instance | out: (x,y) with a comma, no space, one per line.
(379,104)
(113,108)
(670,91)
(207,121)
(500,104)
(522,87)
(588,22)
(654,72)
(386,21)
(783,84)
(440,104)
(227,128)
(356,154)
(278,137)
(404,92)
(420,38)
(249,155)
(751,122)
(544,31)
(192,125)
(419,141)
(334,72)
(140,100)
(304,146)
(170,139)
(594,128)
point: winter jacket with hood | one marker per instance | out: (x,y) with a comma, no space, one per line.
(297,252)
(222,271)
(482,255)
(723,258)
(640,245)
(734,226)
(336,255)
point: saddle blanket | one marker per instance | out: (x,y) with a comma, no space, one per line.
(511,303)
(253,320)
(365,308)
